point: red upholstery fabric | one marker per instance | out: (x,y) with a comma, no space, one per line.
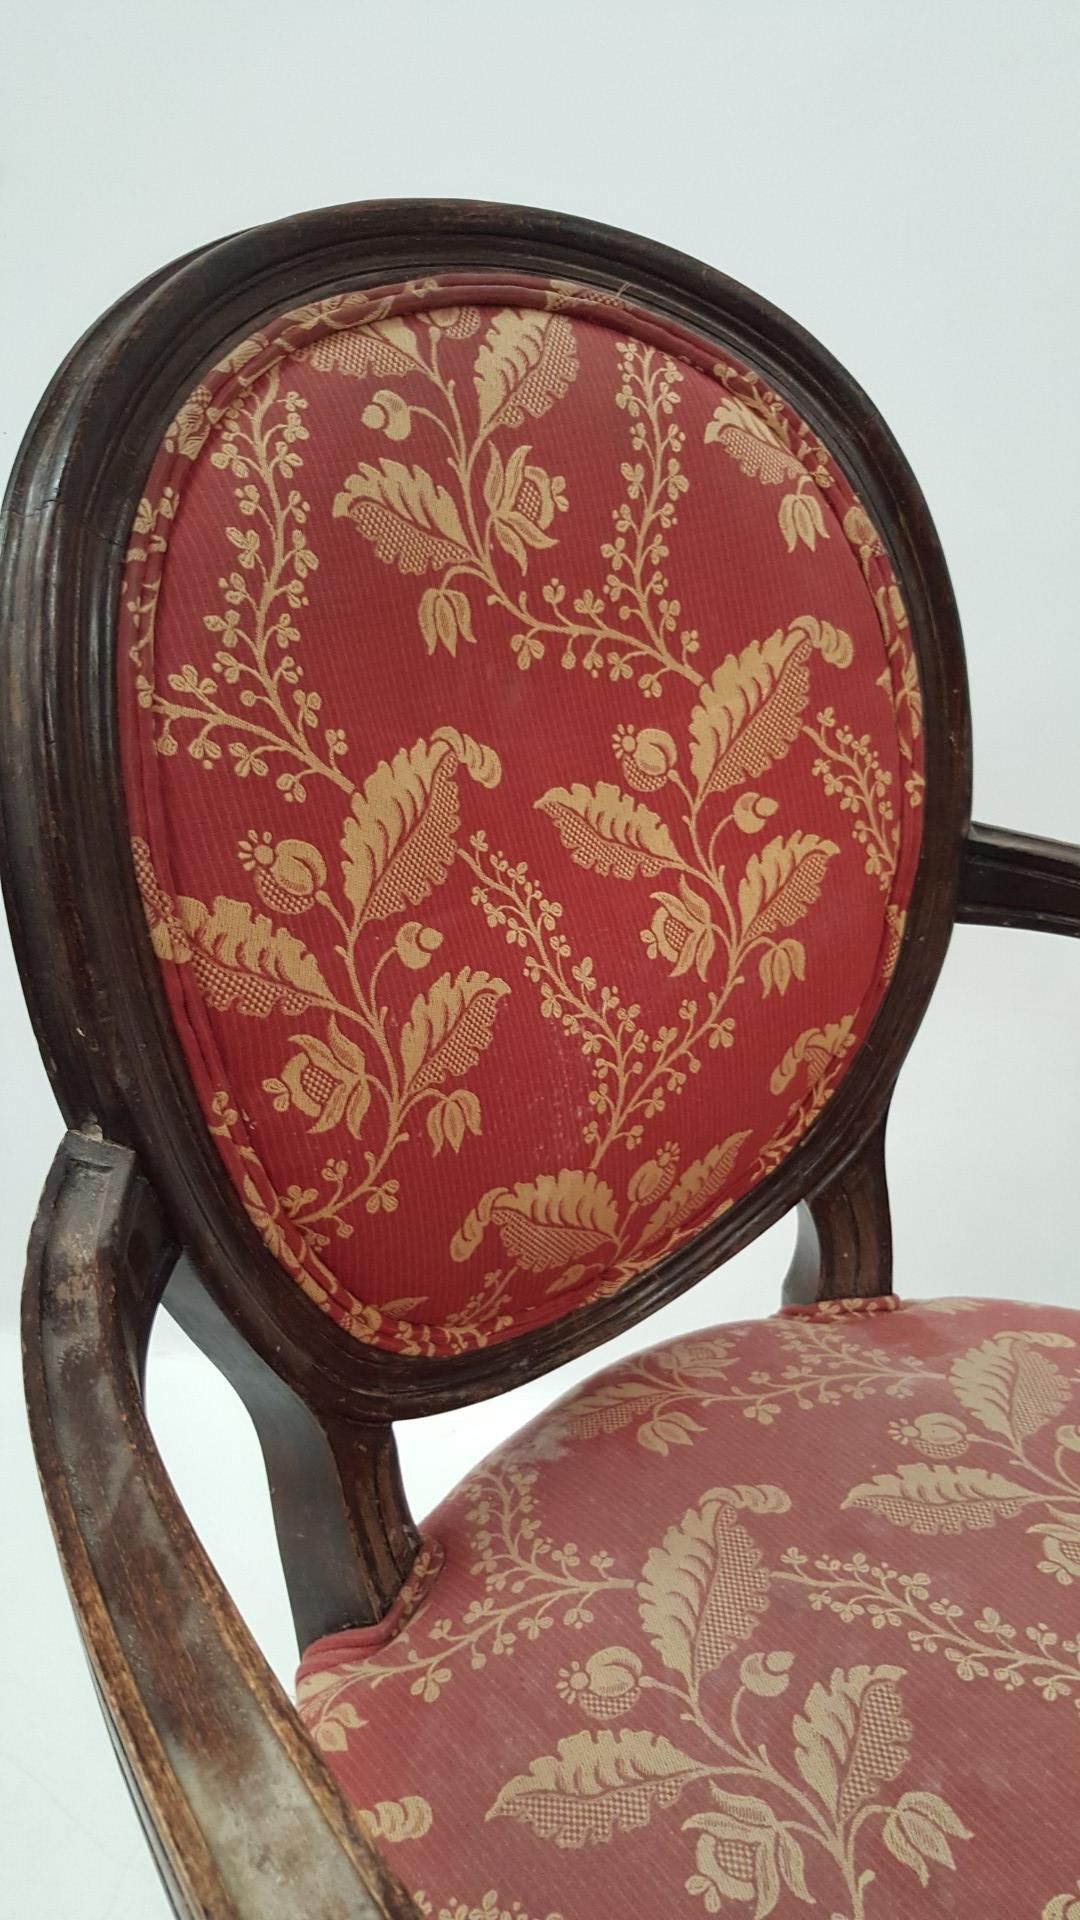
(520,733)
(774,1617)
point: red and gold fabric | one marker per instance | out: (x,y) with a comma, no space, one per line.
(777,1617)
(521,741)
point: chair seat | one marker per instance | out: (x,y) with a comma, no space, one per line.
(781,1615)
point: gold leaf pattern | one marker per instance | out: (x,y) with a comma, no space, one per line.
(1010,1386)
(442,433)
(703,1590)
(750,712)
(399,842)
(555,1220)
(596,1785)
(695,1188)
(241,959)
(609,832)
(783,882)
(940,1499)
(396,1820)
(818,1777)
(410,520)
(449,1028)
(527,362)
(851,1738)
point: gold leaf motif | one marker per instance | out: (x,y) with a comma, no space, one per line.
(816,1048)
(555,1220)
(1009,1386)
(695,1188)
(940,1499)
(385,348)
(597,1784)
(752,442)
(449,1027)
(851,1738)
(749,714)
(702,1591)
(782,883)
(189,432)
(397,1820)
(527,362)
(411,521)
(609,832)
(398,839)
(239,959)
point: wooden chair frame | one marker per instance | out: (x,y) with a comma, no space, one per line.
(238,1805)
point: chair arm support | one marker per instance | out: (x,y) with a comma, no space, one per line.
(1018,880)
(243,1817)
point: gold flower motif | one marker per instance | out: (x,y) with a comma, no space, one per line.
(415,944)
(288,873)
(326,1080)
(445,618)
(388,413)
(646,756)
(523,501)
(940,1436)
(606,1686)
(681,931)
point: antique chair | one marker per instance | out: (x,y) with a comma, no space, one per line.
(485,793)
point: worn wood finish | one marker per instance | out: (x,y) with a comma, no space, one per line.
(93,981)
(241,1811)
(843,1247)
(1017,880)
(344,1530)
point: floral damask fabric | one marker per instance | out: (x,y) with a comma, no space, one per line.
(521,739)
(775,1617)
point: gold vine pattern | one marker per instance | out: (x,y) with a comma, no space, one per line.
(363,1067)
(782,1802)
(786,1770)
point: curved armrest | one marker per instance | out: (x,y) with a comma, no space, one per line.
(243,1817)
(1018,880)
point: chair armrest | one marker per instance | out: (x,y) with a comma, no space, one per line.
(1018,880)
(243,1817)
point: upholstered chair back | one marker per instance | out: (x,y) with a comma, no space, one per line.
(522,752)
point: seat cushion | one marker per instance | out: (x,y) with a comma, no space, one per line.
(775,1616)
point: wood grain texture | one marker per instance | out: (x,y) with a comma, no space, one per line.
(244,1818)
(344,1530)
(843,1245)
(1017,880)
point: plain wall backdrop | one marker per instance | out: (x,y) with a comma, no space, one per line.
(905,180)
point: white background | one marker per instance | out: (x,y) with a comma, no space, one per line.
(905,180)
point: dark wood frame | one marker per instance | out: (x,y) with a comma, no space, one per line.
(138,1177)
